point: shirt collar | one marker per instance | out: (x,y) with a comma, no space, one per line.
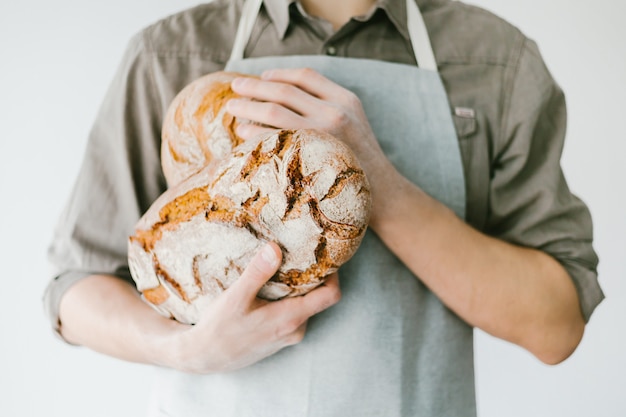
(397,13)
(278,11)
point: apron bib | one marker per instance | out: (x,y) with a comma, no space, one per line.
(389,347)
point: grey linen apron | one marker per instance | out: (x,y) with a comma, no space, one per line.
(389,348)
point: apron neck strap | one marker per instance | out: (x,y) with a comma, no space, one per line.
(418,34)
(420,41)
(249,13)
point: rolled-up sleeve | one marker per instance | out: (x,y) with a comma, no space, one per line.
(530,203)
(119,178)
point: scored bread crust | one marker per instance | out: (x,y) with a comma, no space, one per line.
(302,189)
(197,128)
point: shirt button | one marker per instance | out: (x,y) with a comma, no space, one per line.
(331,50)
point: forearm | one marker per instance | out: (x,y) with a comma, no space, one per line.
(106,314)
(234,331)
(518,294)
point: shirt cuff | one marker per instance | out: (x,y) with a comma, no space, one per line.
(586,282)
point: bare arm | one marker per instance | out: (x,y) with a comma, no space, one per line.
(106,314)
(517,294)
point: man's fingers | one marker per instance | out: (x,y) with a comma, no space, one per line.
(299,309)
(287,95)
(323,297)
(297,336)
(307,80)
(261,268)
(264,113)
(248,131)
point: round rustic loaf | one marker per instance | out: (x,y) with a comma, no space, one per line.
(197,128)
(302,189)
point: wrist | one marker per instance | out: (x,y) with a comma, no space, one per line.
(391,192)
(166,346)
(187,349)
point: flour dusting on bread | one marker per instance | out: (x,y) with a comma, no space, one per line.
(303,189)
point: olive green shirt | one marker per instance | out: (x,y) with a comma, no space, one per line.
(509,115)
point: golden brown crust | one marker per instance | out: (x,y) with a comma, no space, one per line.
(156,295)
(197,113)
(302,189)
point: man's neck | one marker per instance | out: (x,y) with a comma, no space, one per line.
(337,12)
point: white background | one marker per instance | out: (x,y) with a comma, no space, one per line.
(56,60)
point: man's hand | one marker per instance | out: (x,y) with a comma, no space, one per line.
(517,294)
(239,329)
(106,314)
(304,99)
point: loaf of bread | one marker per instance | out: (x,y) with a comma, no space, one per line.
(197,128)
(302,189)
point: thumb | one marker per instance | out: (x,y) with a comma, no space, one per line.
(261,268)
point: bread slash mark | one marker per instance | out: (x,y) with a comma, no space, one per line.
(164,276)
(333,229)
(340,182)
(314,273)
(183,208)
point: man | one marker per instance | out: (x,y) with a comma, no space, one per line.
(520,266)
